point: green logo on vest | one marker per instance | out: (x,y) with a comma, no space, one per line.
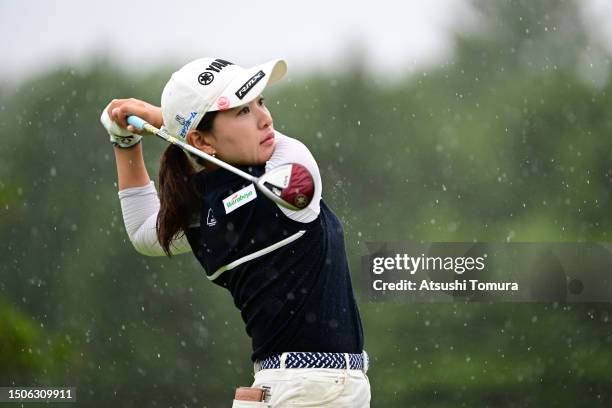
(238,198)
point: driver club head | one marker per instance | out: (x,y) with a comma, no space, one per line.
(290,185)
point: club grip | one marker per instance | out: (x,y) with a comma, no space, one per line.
(136,122)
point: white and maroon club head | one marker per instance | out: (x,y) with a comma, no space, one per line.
(290,185)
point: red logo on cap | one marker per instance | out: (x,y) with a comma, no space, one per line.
(223,103)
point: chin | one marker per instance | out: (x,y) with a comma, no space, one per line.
(266,157)
(268,151)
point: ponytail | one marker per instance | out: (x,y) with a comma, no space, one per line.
(179,197)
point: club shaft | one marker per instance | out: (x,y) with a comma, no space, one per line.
(171,139)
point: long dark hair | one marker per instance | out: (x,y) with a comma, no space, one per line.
(178,196)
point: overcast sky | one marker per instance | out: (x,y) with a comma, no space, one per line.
(317,33)
(395,36)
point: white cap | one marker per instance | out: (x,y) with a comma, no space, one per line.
(211,84)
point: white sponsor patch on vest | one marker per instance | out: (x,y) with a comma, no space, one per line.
(239,198)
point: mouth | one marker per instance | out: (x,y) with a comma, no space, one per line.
(268,140)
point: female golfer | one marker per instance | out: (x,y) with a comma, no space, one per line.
(286,270)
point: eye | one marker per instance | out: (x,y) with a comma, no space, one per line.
(261,101)
(243,111)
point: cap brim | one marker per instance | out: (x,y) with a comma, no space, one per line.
(249,84)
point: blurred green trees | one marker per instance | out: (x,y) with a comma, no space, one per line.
(505,141)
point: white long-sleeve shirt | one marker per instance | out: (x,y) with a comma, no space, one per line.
(140,205)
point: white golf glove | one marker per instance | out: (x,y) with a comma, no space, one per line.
(119,136)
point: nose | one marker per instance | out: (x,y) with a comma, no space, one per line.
(264,119)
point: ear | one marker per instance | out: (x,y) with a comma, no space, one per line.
(201,140)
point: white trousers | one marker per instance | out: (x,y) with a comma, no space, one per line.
(311,387)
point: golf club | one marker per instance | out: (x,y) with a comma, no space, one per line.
(290,185)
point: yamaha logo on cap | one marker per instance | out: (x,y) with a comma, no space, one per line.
(206,78)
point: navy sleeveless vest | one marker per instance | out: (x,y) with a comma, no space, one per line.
(290,280)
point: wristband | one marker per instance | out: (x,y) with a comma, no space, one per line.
(117,144)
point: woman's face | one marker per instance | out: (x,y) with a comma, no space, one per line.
(243,135)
